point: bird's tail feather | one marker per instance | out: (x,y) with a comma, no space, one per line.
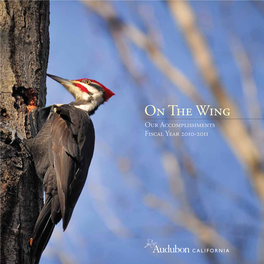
(42,231)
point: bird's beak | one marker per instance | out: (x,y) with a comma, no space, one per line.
(66,83)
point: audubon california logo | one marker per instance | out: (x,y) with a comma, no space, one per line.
(156,249)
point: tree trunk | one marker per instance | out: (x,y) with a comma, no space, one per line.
(24,56)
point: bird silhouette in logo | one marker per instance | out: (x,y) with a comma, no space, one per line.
(150,243)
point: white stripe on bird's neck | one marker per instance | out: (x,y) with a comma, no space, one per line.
(95,101)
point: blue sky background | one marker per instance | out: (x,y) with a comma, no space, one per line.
(112,222)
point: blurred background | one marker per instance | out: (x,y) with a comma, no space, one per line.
(195,192)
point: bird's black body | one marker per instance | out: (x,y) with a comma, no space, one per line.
(62,153)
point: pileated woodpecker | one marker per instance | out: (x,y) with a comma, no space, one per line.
(62,152)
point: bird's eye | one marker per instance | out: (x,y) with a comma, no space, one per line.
(86,81)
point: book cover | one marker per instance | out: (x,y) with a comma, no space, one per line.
(177,174)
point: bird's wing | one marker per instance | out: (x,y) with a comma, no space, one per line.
(65,151)
(72,146)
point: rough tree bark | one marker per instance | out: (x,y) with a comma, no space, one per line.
(24,55)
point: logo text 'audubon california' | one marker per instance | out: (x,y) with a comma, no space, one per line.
(156,249)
